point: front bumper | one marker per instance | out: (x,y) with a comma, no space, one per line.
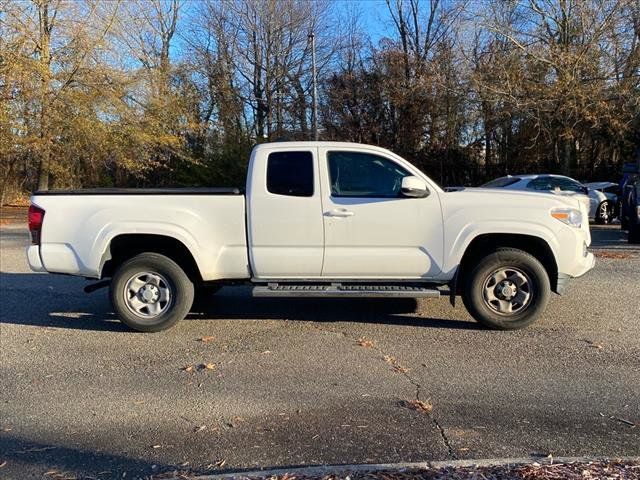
(583,267)
(33,257)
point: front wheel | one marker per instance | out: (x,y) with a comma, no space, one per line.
(150,292)
(604,213)
(507,290)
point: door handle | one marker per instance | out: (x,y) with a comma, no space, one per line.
(339,212)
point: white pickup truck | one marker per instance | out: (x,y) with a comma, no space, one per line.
(318,219)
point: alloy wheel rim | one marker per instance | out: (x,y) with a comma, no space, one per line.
(148,294)
(507,291)
(604,212)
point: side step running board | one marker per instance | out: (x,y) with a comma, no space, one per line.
(338,290)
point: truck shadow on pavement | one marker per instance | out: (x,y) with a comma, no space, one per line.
(64,462)
(229,304)
(59,301)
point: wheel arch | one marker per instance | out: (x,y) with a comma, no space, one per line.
(490,242)
(125,246)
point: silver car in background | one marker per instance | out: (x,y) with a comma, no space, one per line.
(604,200)
(600,207)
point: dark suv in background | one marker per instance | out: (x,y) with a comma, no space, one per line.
(630,202)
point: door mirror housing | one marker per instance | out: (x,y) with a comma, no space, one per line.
(414,187)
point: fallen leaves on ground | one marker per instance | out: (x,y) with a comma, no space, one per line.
(535,471)
(614,255)
(397,367)
(198,367)
(365,342)
(218,464)
(420,406)
(594,345)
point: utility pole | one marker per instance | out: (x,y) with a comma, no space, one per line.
(314,80)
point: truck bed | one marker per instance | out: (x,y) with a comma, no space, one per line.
(80,225)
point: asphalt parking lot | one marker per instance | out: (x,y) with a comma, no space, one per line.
(246,383)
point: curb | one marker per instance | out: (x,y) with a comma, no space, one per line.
(323,470)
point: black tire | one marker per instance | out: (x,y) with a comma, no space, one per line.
(604,213)
(634,233)
(173,280)
(525,267)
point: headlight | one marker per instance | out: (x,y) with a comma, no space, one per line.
(570,216)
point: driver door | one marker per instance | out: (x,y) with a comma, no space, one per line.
(371,230)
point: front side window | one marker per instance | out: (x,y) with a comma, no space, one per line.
(357,174)
(290,173)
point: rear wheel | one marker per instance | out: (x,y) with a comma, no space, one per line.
(150,292)
(507,290)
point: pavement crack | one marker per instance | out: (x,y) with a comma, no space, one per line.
(397,367)
(444,437)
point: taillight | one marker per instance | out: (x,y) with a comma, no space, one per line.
(36,216)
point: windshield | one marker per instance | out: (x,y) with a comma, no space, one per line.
(501,182)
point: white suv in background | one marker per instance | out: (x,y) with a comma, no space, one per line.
(598,206)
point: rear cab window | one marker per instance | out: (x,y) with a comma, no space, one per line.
(290,173)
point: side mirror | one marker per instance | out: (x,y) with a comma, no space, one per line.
(585,190)
(414,187)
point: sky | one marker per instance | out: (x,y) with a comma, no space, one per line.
(374,16)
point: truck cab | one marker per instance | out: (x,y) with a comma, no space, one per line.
(341,211)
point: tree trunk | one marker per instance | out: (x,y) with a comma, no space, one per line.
(566,157)
(45,65)
(488,132)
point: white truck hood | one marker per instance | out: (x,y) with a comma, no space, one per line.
(515,208)
(506,199)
